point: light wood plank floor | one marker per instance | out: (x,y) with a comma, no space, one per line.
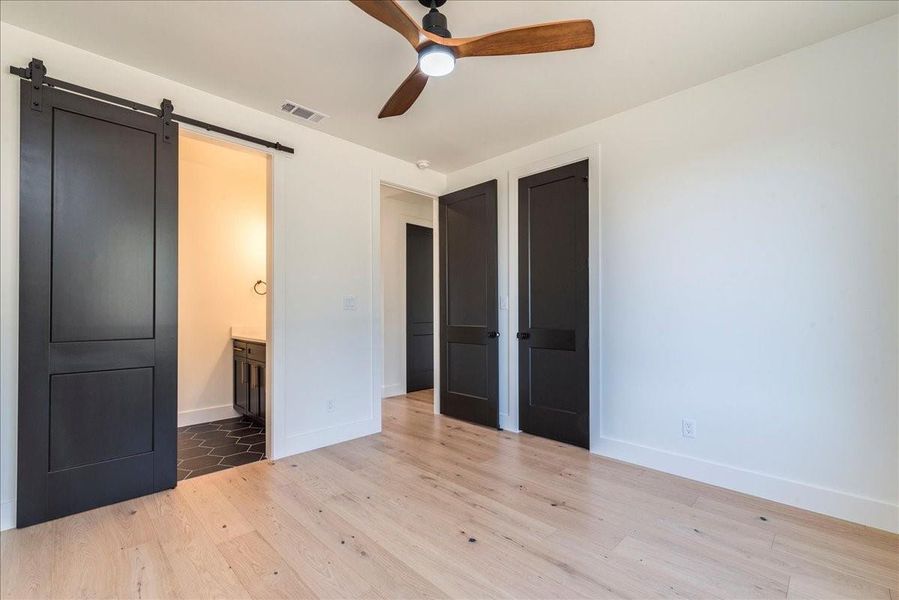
(434,507)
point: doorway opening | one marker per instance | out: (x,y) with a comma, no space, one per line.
(408,271)
(223,308)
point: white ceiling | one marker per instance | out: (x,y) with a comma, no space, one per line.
(334,58)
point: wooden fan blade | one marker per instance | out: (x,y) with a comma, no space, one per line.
(547,37)
(405,95)
(392,14)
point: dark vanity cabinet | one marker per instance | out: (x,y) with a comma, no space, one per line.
(249,379)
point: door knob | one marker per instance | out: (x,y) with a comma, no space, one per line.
(522,335)
(493,334)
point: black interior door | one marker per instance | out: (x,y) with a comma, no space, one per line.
(553,290)
(98,305)
(469,359)
(419,308)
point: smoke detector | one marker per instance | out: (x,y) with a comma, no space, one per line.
(303,112)
(423,164)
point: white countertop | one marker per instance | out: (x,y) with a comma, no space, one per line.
(248,334)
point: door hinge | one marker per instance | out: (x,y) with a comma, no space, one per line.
(36,72)
(167,108)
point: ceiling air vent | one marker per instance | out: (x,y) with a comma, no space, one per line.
(307,114)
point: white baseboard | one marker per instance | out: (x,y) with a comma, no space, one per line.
(843,505)
(313,440)
(7,515)
(204,415)
(393,389)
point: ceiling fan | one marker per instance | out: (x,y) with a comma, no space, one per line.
(438,50)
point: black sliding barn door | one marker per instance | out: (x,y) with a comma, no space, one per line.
(469,359)
(553,291)
(97,306)
(419,308)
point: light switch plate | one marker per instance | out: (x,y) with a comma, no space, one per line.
(349,303)
(504,303)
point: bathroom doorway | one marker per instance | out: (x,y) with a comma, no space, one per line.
(223,308)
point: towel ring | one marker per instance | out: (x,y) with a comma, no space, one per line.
(264,287)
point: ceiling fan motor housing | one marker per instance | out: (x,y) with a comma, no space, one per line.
(435,22)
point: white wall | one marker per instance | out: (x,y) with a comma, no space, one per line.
(222,198)
(749,277)
(322,240)
(397,209)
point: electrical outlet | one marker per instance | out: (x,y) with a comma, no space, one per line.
(688,428)
(330,406)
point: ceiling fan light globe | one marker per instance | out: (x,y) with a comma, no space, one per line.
(436,61)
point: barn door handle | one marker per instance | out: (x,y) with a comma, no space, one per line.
(493,334)
(522,335)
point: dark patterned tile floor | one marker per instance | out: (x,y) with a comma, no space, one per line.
(210,447)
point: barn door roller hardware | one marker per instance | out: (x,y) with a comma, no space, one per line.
(36,72)
(166,107)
